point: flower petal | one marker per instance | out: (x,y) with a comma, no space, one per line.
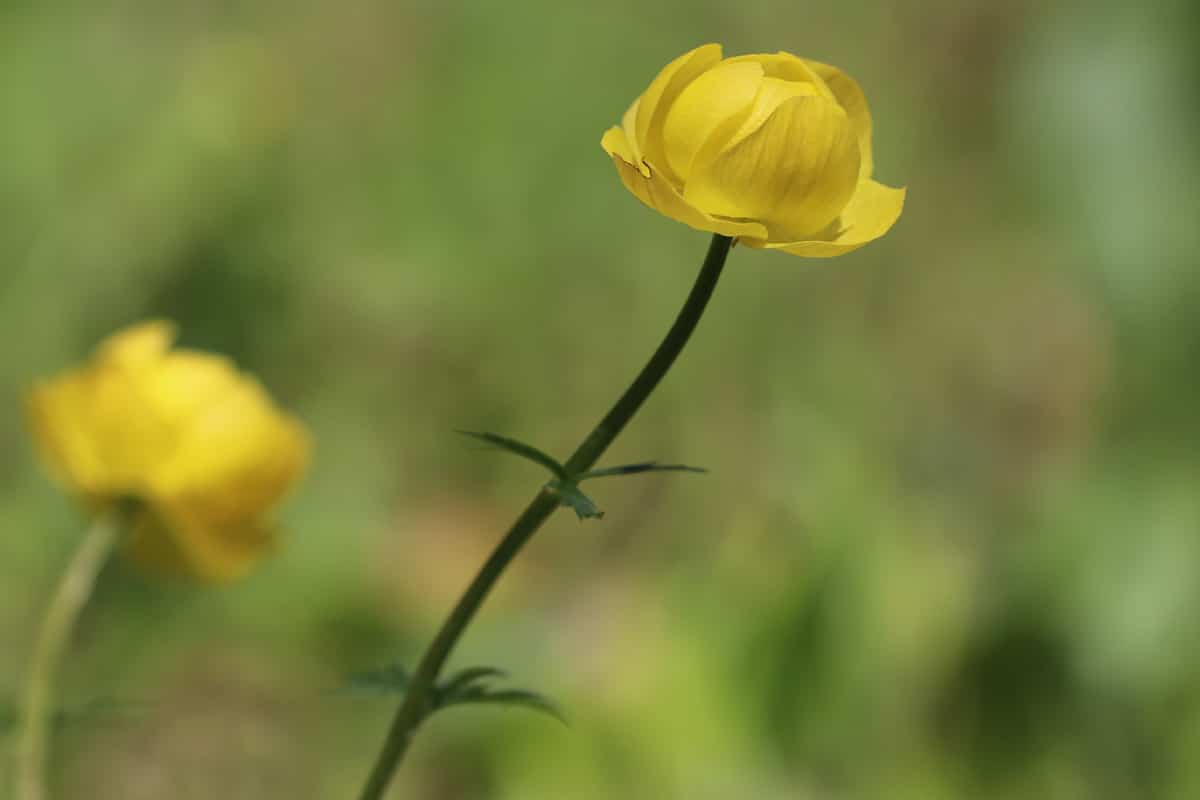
(236,459)
(772,93)
(181,547)
(720,98)
(617,144)
(657,192)
(852,100)
(235,456)
(629,127)
(138,344)
(186,382)
(795,173)
(662,92)
(58,411)
(95,429)
(870,214)
(94,426)
(786,67)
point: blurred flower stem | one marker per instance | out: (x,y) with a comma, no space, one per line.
(74,590)
(419,696)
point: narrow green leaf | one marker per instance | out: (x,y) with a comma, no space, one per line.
(520,698)
(570,495)
(467,678)
(519,449)
(632,469)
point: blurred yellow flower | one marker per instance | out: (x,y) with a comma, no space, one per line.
(772,149)
(200,445)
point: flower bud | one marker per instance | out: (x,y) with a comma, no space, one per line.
(772,149)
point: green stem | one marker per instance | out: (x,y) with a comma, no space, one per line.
(74,589)
(418,696)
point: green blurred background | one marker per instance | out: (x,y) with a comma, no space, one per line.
(950,545)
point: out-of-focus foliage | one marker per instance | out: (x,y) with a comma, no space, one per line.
(948,545)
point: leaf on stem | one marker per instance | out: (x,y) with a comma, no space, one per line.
(633,469)
(569,495)
(470,685)
(474,686)
(465,679)
(526,451)
(520,698)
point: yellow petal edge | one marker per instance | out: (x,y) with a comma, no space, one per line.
(872,211)
(657,192)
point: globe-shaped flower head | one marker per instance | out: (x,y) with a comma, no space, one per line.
(197,445)
(772,149)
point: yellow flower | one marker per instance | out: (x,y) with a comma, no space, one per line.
(772,149)
(200,445)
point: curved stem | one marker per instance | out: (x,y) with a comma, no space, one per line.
(417,698)
(74,589)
